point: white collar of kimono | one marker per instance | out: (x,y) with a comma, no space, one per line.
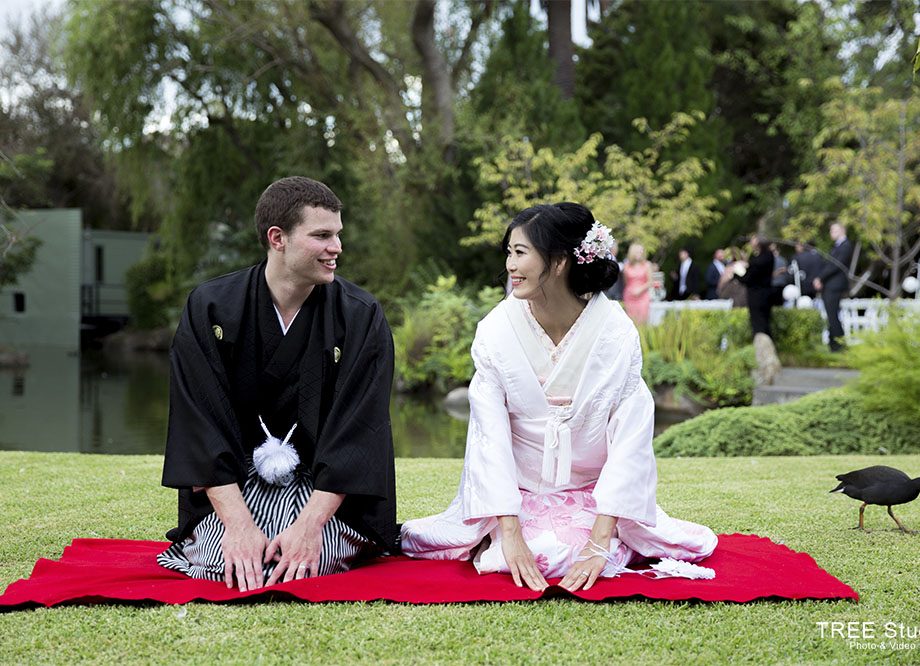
(563,377)
(561,380)
(284,329)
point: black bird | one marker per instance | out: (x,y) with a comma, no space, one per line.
(881,485)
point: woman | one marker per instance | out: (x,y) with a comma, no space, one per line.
(728,287)
(559,477)
(637,276)
(758,278)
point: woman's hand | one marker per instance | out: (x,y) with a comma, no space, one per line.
(585,571)
(518,556)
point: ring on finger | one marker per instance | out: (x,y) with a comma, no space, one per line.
(583,574)
(302,567)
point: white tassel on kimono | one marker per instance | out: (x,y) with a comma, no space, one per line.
(671,568)
(276,460)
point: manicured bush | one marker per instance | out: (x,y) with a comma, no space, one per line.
(834,421)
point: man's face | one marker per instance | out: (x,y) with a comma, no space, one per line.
(836,232)
(720,255)
(683,255)
(313,246)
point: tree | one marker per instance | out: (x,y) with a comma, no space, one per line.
(40,114)
(227,97)
(18,174)
(868,177)
(641,196)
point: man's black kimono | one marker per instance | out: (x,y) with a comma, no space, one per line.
(331,373)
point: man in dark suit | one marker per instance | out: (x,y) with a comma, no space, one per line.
(833,283)
(810,264)
(687,277)
(713,272)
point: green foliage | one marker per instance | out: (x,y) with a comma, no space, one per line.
(149,293)
(686,352)
(648,60)
(641,195)
(833,421)
(868,176)
(797,336)
(17,254)
(21,176)
(433,342)
(707,353)
(889,365)
(516,95)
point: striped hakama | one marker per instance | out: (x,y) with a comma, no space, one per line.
(274,509)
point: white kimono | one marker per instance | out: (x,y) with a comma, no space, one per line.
(557,434)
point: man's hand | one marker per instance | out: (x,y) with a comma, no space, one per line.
(518,556)
(244,543)
(817,284)
(243,547)
(297,551)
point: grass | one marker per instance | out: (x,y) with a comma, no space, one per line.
(48,499)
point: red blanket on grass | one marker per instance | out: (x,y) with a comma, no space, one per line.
(747,567)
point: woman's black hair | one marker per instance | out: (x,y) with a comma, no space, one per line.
(555,230)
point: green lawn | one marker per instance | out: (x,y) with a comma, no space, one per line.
(48,499)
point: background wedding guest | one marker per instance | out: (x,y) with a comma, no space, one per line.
(686,278)
(714,271)
(758,279)
(810,264)
(833,283)
(637,284)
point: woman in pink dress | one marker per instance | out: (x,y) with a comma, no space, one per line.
(637,287)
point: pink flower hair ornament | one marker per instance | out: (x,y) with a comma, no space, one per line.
(597,244)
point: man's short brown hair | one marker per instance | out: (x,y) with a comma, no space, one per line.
(282,203)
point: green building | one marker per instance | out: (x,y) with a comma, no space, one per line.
(78,278)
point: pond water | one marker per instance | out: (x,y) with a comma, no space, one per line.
(118,403)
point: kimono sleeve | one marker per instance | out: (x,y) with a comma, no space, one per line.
(628,479)
(203,442)
(354,452)
(489,486)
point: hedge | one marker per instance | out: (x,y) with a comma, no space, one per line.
(834,421)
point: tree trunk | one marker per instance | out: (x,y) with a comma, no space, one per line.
(559,19)
(437,83)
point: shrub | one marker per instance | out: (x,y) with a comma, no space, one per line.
(148,292)
(433,342)
(889,365)
(834,421)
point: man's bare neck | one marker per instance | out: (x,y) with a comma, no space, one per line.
(287,292)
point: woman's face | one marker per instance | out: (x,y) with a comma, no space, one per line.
(525,266)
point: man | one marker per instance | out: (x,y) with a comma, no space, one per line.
(713,272)
(833,283)
(809,263)
(615,293)
(687,276)
(281,347)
